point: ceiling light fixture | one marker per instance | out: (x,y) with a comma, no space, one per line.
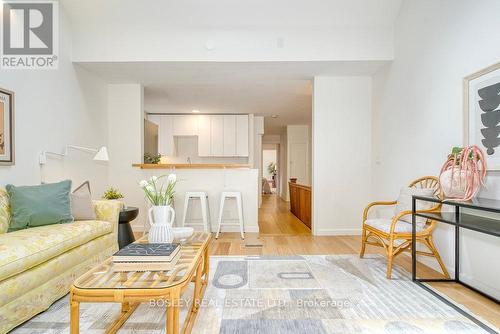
(274,116)
(196,111)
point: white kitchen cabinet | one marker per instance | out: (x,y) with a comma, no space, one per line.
(165,133)
(229,135)
(185,125)
(242,135)
(217,135)
(204,136)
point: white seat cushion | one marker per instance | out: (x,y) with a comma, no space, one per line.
(384,225)
(405,201)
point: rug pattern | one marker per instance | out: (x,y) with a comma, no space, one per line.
(288,294)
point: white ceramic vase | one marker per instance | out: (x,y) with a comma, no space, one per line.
(161,219)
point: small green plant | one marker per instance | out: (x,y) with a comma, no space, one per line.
(152,158)
(112,193)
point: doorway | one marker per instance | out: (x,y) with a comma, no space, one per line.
(270,169)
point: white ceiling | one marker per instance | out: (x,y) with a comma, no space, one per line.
(249,14)
(121,39)
(264,88)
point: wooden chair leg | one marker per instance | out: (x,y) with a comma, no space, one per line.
(390,257)
(363,243)
(433,249)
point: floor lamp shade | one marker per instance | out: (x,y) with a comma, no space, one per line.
(102,154)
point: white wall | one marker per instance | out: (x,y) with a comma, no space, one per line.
(418,110)
(223,30)
(125,139)
(341,153)
(284,191)
(214,182)
(54,108)
(299,134)
(256,139)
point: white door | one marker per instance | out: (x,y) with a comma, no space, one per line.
(229,135)
(217,135)
(298,162)
(242,135)
(204,136)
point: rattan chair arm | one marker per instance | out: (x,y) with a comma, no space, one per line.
(397,218)
(372,204)
(408,212)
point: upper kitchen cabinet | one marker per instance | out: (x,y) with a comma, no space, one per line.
(185,125)
(217,136)
(242,135)
(204,136)
(229,135)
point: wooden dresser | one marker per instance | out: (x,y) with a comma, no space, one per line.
(300,202)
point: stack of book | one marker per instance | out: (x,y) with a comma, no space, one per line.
(146,257)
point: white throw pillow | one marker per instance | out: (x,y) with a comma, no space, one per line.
(404,202)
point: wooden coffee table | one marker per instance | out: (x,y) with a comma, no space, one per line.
(102,284)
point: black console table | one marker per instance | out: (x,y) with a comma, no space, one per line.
(460,220)
(125,234)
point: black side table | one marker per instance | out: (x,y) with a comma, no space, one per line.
(125,234)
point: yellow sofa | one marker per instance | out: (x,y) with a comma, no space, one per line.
(38,265)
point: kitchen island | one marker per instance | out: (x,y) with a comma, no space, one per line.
(212,179)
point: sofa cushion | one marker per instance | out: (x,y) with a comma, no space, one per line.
(24,249)
(4,211)
(39,205)
(384,225)
(81,203)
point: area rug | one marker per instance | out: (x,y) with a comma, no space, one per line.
(286,294)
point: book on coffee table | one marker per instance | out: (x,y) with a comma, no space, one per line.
(137,252)
(147,266)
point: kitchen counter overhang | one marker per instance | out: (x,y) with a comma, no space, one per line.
(191,166)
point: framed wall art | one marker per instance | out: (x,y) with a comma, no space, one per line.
(6,127)
(482,113)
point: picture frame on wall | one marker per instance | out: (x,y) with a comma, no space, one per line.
(6,127)
(482,113)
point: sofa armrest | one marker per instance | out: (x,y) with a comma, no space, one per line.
(108,211)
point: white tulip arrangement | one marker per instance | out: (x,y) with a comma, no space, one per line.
(159,193)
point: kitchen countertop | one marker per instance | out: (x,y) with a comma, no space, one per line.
(191,166)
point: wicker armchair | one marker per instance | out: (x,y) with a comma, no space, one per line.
(395,236)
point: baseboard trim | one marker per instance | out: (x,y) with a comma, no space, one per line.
(338,231)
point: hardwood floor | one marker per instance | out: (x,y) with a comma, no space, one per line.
(283,234)
(275,218)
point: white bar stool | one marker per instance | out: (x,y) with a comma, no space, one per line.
(203,196)
(237,196)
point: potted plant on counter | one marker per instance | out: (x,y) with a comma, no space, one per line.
(159,193)
(152,158)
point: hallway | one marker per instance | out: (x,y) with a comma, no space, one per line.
(275,218)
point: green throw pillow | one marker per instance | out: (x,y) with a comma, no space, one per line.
(41,205)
